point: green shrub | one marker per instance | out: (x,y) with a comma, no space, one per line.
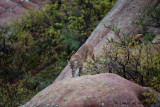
(13,95)
(44,39)
(49,36)
(151,17)
(140,64)
(84,15)
(150,23)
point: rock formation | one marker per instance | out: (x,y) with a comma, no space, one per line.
(108,90)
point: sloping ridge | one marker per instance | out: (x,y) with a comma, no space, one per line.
(122,15)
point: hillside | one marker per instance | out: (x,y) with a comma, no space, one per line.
(125,70)
(89,90)
(34,50)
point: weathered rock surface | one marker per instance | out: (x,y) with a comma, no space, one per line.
(122,14)
(13,9)
(108,90)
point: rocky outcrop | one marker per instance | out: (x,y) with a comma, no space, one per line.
(13,9)
(122,15)
(108,90)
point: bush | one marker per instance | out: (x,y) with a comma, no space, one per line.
(140,64)
(150,23)
(151,17)
(48,36)
(44,39)
(13,95)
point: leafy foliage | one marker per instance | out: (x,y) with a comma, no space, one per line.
(151,17)
(41,42)
(13,95)
(139,64)
(150,23)
(50,35)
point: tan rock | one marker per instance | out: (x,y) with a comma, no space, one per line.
(108,90)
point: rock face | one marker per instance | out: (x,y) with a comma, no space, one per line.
(108,90)
(122,15)
(12,9)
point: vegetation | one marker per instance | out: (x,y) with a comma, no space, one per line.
(150,23)
(140,64)
(36,48)
(13,95)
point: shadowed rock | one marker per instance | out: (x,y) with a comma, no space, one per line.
(2,10)
(108,90)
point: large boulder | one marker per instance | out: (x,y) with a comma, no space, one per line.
(108,90)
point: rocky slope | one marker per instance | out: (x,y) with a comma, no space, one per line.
(108,90)
(12,9)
